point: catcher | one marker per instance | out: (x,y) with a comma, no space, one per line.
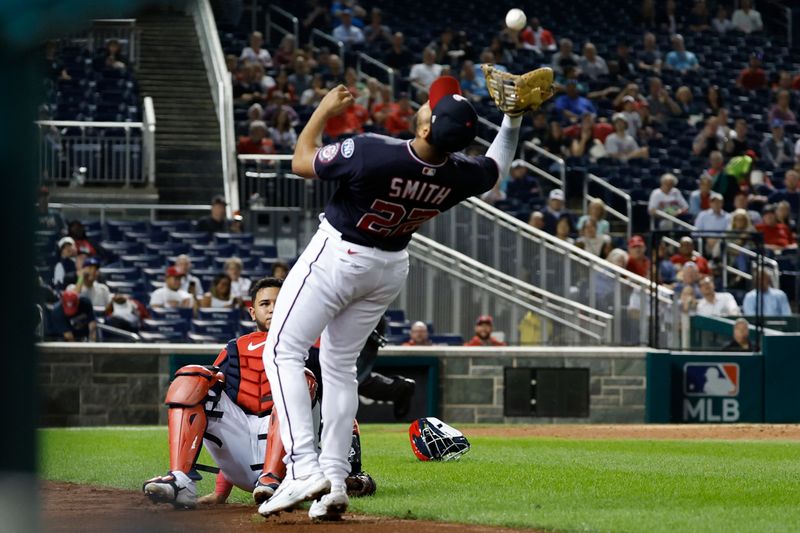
(228,407)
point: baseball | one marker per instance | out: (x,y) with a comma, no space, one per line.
(515,19)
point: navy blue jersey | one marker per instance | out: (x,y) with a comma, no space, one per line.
(386,192)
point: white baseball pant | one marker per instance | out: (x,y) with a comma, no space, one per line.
(338,290)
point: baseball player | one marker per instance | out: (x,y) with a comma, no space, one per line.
(356,264)
(228,408)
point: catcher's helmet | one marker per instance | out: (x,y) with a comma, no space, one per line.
(433,440)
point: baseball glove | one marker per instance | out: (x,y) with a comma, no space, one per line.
(360,484)
(515,94)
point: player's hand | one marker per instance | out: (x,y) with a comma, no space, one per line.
(337,100)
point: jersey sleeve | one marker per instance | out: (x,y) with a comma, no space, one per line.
(339,161)
(486,172)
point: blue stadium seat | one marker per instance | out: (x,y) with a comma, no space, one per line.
(451,339)
(216,313)
(172,313)
(198,338)
(220,329)
(123,248)
(399,328)
(166,248)
(166,336)
(142,261)
(144,237)
(213,250)
(234,238)
(395,315)
(198,261)
(190,237)
(165,325)
(171,226)
(264,250)
(126,287)
(121,274)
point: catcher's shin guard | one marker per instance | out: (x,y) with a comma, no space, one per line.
(187,418)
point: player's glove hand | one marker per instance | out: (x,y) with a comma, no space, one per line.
(514,94)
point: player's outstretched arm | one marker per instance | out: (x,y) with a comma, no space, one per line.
(337,100)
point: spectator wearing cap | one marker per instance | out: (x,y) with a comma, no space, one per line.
(715,303)
(523,186)
(591,241)
(347,32)
(591,64)
(679,58)
(571,106)
(638,262)
(240,286)
(685,255)
(632,116)
(215,222)
(189,282)
(741,336)
(620,144)
(700,199)
(667,198)
(774,301)
(73,318)
(418,335)
(49,219)
(257,141)
(781,110)
(483,333)
(255,53)
(776,149)
(714,218)
(88,285)
(596,212)
(65,271)
(746,19)
(752,77)
(777,236)
(171,294)
(399,119)
(553,210)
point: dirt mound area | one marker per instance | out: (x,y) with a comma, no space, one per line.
(644,431)
(69,507)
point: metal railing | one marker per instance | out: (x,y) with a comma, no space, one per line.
(222,93)
(389,71)
(626,217)
(79,152)
(103,30)
(500,241)
(317,34)
(562,165)
(102,210)
(270,24)
(450,289)
(770,263)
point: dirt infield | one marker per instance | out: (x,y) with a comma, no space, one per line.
(69,507)
(645,431)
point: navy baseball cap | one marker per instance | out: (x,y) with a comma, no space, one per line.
(454,122)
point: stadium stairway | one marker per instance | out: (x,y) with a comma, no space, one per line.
(187,138)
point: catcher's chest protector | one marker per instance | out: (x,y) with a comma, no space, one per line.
(245,379)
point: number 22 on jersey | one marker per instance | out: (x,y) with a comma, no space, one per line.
(394,219)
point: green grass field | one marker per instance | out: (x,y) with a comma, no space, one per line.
(564,485)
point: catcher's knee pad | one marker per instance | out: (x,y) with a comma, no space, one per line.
(187,417)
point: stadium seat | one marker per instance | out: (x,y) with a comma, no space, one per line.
(172,313)
(395,315)
(234,238)
(190,237)
(220,329)
(128,274)
(216,313)
(451,339)
(165,325)
(166,336)
(142,261)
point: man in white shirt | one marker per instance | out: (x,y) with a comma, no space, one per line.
(254,52)
(713,218)
(189,282)
(667,198)
(88,286)
(347,33)
(171,294)
(747,19)
(715,303)
(620,145)
(424,73)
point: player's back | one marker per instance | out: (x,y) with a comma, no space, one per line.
(386,191)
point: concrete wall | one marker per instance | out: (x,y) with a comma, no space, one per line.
(102,384)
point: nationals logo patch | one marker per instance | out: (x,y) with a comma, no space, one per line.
(348,147)
(327,153)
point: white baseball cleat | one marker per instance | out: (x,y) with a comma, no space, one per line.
(330,507)
(294,491)
(175,488)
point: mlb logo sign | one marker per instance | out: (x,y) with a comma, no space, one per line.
(711,379)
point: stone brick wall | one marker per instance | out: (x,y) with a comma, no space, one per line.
(114,384)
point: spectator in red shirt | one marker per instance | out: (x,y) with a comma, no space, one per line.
(258,142)
(638,263)
(351,122)
(536,38)
(419,335)
(586,133)
(777,236)
(752,77)
(483,333)
(399,120)
(685,252)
